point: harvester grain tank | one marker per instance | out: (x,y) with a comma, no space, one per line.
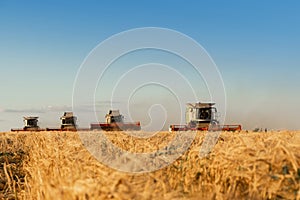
(115,122)
(202,116)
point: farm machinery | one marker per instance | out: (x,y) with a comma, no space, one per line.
(203,117)
(68,123)
(199,117)
(115,122)
(30,124)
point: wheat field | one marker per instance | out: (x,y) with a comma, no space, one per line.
(242,165)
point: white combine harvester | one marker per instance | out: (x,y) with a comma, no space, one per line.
(203,117)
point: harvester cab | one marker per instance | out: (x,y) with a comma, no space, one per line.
(68,121)
(201,115)
(31,123)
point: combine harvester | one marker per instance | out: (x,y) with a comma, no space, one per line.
(202,117)
(30,124)
(68,123)
(115,122)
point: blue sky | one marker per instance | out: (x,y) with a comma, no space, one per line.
(255,45)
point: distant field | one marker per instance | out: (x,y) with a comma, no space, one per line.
(245,165)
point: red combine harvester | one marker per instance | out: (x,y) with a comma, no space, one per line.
(115,122)
(203,117)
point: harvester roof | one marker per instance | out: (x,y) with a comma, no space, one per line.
(30,118)
(199,105)
(67,115)
(114,113)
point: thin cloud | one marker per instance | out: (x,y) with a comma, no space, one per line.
(58,108)
(38,110)
(24,110)
(107,103)
(91,107)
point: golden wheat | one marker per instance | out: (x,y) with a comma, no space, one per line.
(56,165)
